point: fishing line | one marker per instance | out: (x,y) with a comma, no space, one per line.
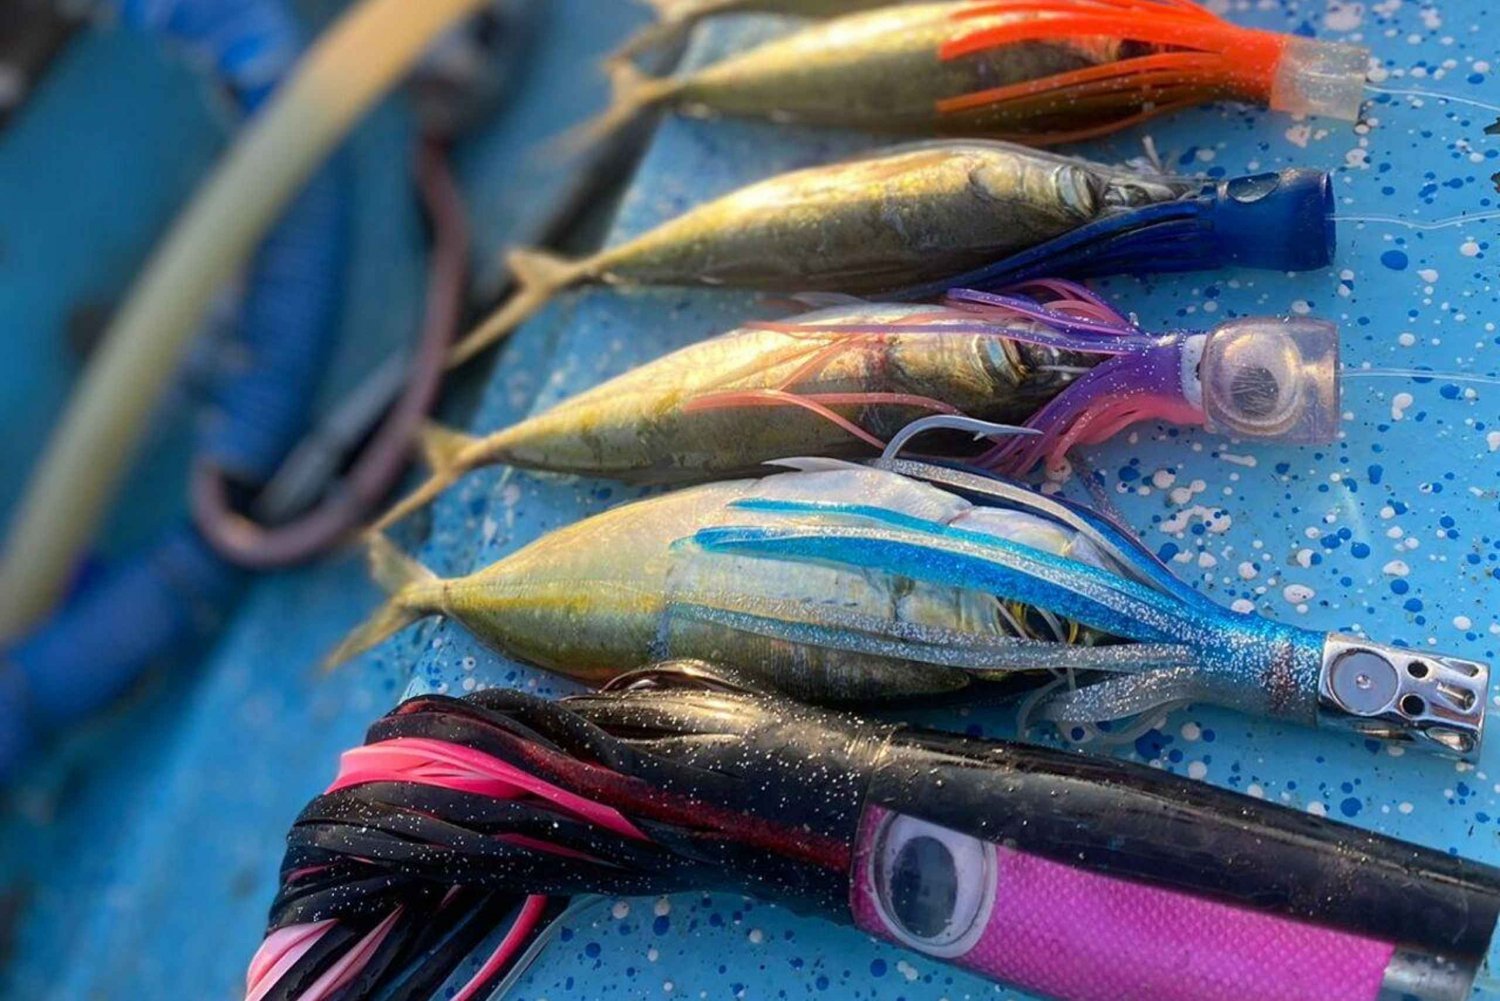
(1433,95)
(1418,373)
(1445,223)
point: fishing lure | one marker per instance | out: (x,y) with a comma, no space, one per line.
(1079,878)
(925,217)
(904,581)
(1042,71)
(843,381)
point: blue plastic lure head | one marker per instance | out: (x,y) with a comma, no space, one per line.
(1280,220)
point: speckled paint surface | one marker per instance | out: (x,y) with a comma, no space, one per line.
(1393,531)
(153,881)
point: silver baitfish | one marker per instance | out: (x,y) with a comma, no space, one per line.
(918,219)
(905,581)
(1039,71)
(846,381)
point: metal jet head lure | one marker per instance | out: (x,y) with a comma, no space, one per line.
(902,582)
(1038,71)
(920,219)
(848,381)
(1078,878)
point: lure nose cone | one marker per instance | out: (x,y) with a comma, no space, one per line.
(1320,78)
(1392,693)
(1281,221)
(1263,377)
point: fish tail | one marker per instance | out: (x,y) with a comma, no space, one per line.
(635,92)
(448,454)
(653,36)
(415,593)
(540,276)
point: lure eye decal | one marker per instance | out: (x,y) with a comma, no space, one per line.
(934,887)
(1267,379)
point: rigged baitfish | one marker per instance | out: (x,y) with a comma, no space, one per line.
(924,217)
(1039,71)
(1073,877)
(900,582)
(843,382)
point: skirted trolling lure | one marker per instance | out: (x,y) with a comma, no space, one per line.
(845,381)
(901,582)
(1075,877)
(918,219)
(1039,71)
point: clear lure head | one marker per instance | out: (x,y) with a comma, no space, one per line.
(1264,377)
(1320,78)
(1393,693)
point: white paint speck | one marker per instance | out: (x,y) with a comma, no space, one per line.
(1396,568)
(1191,731)
(1399,403)
(1216,520)
(1469,248)
(1197,770)
(1428,275)
(1317,809)
(1242,605)
(1463,622)
(1343,16)
(1297,593)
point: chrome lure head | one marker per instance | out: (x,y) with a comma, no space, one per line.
(1392,693)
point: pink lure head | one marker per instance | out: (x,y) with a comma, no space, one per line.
(1077,934)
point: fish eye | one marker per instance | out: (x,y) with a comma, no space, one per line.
(934,887)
